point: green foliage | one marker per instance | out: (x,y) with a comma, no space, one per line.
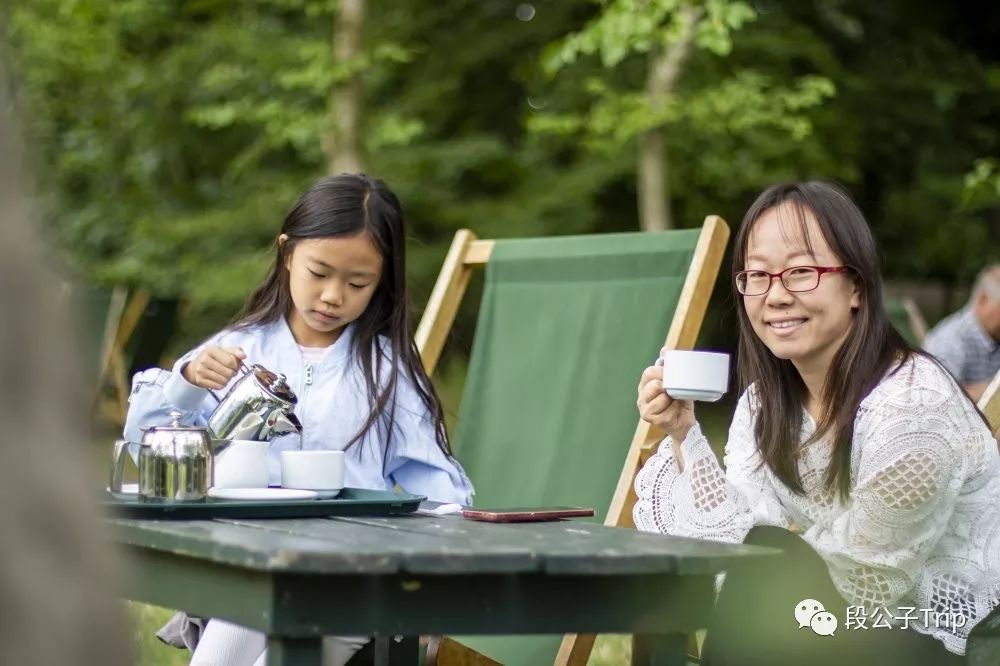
(637,26)
(191,128)
(172,135)
(981,186)
(744,105)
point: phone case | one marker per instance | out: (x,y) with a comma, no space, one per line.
(527,515)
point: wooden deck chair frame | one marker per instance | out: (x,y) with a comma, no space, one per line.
(917,322)
(120,323)
(467,253)
(989,404)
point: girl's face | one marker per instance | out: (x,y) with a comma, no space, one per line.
(332,281)
(807,328)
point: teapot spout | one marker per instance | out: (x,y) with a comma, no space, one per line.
(250,426)
(283,423)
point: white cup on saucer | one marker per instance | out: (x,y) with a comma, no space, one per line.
(322,471)
(242,464)
(695,375)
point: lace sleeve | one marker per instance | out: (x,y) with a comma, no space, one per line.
(913,451)
(703,501)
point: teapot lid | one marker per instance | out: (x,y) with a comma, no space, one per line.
(175,425)
(273,383)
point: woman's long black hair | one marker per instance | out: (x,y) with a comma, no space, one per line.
(349,205)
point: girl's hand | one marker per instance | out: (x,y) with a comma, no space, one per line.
(674,417)
(214,366)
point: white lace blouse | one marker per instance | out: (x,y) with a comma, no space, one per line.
(921,528)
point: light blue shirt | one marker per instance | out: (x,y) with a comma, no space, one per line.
(965,348)
(332,407)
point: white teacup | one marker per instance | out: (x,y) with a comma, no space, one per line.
(695,375)
(312,470)
(242,464)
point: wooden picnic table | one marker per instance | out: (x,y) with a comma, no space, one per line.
(297,580)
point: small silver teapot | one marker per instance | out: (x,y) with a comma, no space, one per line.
(175,463)
(259,406)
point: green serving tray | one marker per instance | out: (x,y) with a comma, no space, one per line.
(350,502)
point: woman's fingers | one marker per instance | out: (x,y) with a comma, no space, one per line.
(655,407)
(649,374)
(650,391)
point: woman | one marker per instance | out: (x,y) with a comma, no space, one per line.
(863,443)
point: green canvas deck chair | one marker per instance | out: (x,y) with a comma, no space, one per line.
(565,328)
(905,316)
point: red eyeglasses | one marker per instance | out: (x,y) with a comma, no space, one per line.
(796,279)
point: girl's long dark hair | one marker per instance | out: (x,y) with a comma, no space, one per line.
(872,348)
(348,205)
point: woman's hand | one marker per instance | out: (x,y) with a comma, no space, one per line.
(674,417)
(214,366)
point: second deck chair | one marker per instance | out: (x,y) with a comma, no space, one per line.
(906,317)
(565,328)
(989,404)
(984,644)
(108,316)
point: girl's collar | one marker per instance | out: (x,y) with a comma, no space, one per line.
(338,352)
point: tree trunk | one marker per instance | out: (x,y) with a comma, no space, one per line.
(343,142)
(654,176)
(654,186)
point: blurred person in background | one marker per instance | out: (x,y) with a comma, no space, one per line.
(968,341)
(56,593)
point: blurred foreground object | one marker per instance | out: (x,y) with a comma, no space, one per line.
(56,596)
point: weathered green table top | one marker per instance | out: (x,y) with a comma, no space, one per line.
(431,545)
(298,580)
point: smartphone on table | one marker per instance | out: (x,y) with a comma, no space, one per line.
(527,514)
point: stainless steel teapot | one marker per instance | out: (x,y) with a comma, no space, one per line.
(259,406)
(175,463)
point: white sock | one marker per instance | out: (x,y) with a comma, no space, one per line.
(336,650)
(227,644)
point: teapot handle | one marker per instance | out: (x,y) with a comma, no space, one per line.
(242,369)
(118,457)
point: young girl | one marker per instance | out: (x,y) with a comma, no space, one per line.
(845,434)
(332,316)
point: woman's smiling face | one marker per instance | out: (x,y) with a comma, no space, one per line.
(807,327)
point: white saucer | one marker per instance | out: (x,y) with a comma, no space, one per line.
(693,394)
(322,493)
(328,494)
(267,494)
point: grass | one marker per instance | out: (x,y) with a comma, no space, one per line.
(609,650)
